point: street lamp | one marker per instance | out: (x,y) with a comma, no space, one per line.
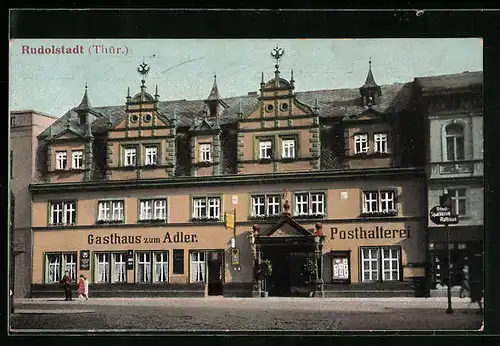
(445,202)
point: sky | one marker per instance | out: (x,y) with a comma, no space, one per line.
(184,69)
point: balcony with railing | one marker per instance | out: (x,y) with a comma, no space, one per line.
(471,168)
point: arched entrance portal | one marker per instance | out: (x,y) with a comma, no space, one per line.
(288,246)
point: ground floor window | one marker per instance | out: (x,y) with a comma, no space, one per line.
(198,266)
(152,266)
(102,268)
(58,263)
(119,267)
(380,264)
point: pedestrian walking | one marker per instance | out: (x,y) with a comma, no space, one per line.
(464,282)
(67,281)
(85,288)
(476,295)
(81,287)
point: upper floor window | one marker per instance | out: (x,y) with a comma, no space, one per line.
(379,202)
(265,149)
(130,157)
(77,159)
(288,149)
(206,152)
(111,211)
(206,208)
(455,146)
(12,121)
(458,201)
(153,209)
(310,203)
(360,143)
(62,213)
(151,155)
(380,140)
(61,160)
(266,205)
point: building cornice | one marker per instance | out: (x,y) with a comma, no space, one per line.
(231,180)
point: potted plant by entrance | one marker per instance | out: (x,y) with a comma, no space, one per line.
(266,269)
(309,270)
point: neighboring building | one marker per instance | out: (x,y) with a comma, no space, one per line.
(135,195)
(452,105)
(25,126)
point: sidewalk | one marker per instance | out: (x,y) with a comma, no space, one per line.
(353,304)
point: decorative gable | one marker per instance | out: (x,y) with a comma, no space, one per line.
(287,227)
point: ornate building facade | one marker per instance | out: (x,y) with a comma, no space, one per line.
(136,197)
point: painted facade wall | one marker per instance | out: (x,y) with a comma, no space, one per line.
(343,226)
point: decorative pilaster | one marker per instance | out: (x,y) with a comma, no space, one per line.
(49,158)
(193,155)
(217,154)
(239,151)
(170,157)
(88,160)
(319,290)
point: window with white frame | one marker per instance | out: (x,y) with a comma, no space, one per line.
(102,268)
(206,208)
(77,159)
(288,149)
(360,143)
(119,267)
(310,203)
(379,202)
(130,157)
(56,264)
(381,264)
(458,199)
(153,209)
(160,267)
(206,152)
(455,146)
(151,155)
(111,211)
(143,267)
(53,268)
(380,140)
(265,149)
(197,266)
(266,205)
(69,263)
(61,160)
(62,213)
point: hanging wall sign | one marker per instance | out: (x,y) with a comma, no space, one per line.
(130,259)
(84,259)
(235,257)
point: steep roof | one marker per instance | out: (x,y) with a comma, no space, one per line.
(450,82)
(334,103)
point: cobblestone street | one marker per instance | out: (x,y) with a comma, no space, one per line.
(200,314)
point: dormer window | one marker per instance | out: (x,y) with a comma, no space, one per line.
(83,118)
(77,159)
(151,155)
(360,144)
(380,140)
(206,152)
(130,157)
(61,160)
(265,149)
(369,100)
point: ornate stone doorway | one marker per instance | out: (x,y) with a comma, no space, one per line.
(286,246)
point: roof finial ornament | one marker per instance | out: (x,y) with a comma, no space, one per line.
(156,92)
(109,119)
(240,113)
(370,63)
(291,79)
(316,108)
(277,53)
(143,69)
